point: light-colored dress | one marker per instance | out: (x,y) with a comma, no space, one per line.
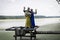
(28,21)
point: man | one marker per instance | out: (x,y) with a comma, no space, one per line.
(32,18)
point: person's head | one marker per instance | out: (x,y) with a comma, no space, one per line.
(28,9)
(31,9)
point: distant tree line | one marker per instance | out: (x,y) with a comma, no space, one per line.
(22,17)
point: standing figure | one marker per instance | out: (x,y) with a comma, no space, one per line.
(32,18)
(27,15)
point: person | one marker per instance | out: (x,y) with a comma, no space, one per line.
(32,18)
(58,1)
(27,15)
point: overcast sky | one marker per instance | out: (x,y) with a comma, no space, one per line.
(15,7)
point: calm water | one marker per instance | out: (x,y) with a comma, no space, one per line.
(46,24)
(21,22)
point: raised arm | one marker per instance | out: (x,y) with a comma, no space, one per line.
(35,11)
(24,9)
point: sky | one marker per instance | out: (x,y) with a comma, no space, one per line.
(15,7)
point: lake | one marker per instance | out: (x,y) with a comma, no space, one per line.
(6,23)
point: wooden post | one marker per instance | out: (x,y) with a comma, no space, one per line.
(15,33)
(20,37)
(30,35)
(35,34)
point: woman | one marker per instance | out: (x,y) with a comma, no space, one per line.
(27,15)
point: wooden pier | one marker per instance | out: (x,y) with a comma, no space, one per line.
(22,31)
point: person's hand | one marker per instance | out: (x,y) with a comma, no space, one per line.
(24,8)
(35,11)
